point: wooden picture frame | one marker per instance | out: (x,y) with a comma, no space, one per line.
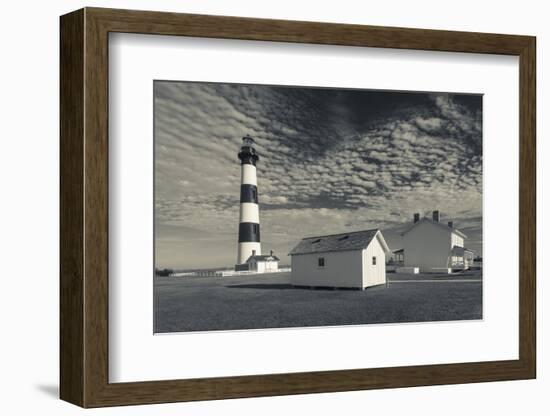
(84,207)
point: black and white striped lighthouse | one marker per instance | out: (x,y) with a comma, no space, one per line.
(249,215)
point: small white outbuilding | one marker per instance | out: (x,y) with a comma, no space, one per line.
(349,260)
(263,264)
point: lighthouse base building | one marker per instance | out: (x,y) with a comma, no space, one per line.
(260,264)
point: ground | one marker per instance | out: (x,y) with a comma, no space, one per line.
(269,301)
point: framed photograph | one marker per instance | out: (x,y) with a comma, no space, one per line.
(255,207)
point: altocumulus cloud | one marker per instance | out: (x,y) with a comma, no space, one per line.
(331,160)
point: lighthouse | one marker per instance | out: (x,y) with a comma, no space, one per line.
(249,214)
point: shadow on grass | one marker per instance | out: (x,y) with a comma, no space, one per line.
(263,286)
(281,286)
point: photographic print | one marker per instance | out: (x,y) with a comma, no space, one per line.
(286,206)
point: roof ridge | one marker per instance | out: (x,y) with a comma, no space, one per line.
(333,235)
(338,242)
(430,220)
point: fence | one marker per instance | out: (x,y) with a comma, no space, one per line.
(225,273)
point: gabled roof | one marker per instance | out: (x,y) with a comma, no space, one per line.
(356,240)
(264,257)
(437,223)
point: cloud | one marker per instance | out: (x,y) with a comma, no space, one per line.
(429,124)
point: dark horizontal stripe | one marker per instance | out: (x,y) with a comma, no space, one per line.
(249,232)
(249,160)
(248,156)
(249,193)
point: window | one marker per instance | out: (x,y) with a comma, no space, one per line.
(321,262)
(374,260)
(255,228)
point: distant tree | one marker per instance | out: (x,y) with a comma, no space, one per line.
(163,272)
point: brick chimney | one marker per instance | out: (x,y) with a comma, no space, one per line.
(435,216)
(271,253)
(416,217)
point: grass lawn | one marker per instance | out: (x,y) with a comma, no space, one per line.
(269,301)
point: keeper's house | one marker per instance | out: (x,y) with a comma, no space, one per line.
(435,247)
(350,260)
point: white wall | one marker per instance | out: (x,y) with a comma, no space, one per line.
(374,274)
(342,269)
(271,265)
(29,212)
(427,246)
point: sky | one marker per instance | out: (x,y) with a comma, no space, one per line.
(331,161)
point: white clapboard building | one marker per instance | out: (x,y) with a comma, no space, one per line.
(349,260)
(263,263)
(435,247)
